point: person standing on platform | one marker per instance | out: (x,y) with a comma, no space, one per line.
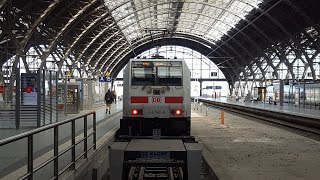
(114,95)
(108,97)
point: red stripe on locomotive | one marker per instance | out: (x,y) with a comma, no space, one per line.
(139,99)
(173,99)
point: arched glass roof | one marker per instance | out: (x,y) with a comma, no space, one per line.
(209,19)
(254,40)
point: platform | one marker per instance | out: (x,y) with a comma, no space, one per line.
(12,157)
(247,149)
(286,108)
(101,114)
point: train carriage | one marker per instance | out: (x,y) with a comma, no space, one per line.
(156,98)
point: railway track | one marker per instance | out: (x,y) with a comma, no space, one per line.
(304,124)
(158,173)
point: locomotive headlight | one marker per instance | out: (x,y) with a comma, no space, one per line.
(178,112)
(136,112)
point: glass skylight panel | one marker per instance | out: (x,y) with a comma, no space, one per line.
(217,31)
(147,11)
(138,5)
(205,19)
(231,19)
(214,35)
(111,4)
(240,8)
(131,36)
(212,38)
(198,7)
(197,32)
(223,28)
(214,12)
(210,19)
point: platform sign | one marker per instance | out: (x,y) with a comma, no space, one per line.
(156,134)
(104,79)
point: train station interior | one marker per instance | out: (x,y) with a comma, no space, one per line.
(254,86)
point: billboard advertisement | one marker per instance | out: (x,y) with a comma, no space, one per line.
(29,88)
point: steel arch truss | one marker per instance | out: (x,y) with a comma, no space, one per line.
(72,34)
(262,39)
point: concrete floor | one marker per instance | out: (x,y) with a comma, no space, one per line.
(246,149)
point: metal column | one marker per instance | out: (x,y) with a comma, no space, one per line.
(304,94)
(56,94)
(50,90)
(18,97)
(281,84)
(90,94)
(43,90)
(65,96)
(39,98)
(200,88)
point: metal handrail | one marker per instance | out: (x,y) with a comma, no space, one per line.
(55,126)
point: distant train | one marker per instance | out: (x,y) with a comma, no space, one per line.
(293,94)
(156,98)
(311,95)
(212,91)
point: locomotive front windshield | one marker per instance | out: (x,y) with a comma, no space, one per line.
(162,73)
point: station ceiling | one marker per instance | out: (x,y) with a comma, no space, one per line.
(102,35)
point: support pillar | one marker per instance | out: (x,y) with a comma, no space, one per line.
(90,94)
(66,96)
(281,84)
(18,96)
(56,94)
(39,91)
(43,96)
(50,96)
(304,94)
(200,88)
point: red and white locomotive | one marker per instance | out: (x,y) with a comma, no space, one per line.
(156,96)
(154,135)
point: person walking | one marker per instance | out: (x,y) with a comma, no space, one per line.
(108,97)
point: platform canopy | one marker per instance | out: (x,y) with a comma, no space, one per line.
(255,39)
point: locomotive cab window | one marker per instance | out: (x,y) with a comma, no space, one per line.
(142,76)
(161,73)
(170,76)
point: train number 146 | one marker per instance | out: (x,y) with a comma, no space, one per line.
(156,99)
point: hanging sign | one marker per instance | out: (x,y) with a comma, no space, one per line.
(104,79)
(68,73)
